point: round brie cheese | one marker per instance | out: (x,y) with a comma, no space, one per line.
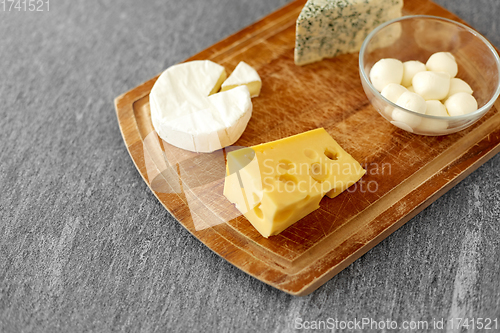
(187,111)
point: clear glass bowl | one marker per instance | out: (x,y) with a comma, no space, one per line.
(417,37)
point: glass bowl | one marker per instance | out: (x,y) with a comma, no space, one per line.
(417,37)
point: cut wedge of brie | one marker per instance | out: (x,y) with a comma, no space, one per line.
(244,74)
(187,111)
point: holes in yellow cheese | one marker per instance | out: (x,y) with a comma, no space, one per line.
(255,197)
(285,164)
(286,183)
(287,179)
(318,172)
(258,212)
(310,154)
(331,154)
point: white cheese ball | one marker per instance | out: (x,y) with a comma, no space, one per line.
(388,111)
(409,101)
(399,116)
(435,126)
(402,126)
(393,91)
(442,62)
(436,108)
(386,71)
(410,68)
(459,85)
(432,85)
(460,103)
(411,89)
(412,101)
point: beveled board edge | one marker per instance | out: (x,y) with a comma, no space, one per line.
(486,144)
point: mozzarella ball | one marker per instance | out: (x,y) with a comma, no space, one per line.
(386,71)
(442,62)
(410,68)
(410,89)
(432,85)
(458,85)
(409,101)
(412,101)
(402,126)
(436,108)
(393,91)
(436,126)
(460,103)
(388,111)
(412,120)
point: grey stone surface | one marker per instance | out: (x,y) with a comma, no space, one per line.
(85,246)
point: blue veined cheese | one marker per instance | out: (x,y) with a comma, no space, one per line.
(327,28)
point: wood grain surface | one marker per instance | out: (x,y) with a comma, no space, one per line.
(405,172)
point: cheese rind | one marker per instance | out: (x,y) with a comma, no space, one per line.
(277,183)
(327,28)
(244,74)
(187,111)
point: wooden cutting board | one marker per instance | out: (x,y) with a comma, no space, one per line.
(405,172)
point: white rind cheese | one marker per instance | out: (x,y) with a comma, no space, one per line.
(187,112)
(244,74)
(327,28)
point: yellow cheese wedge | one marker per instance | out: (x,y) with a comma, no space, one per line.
(275,184)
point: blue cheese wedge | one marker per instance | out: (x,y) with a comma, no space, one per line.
(328,28)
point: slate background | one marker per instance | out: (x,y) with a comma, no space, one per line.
(85,246)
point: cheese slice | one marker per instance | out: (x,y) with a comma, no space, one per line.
(327,28)
(244,74)
(275,184)
(187,111)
